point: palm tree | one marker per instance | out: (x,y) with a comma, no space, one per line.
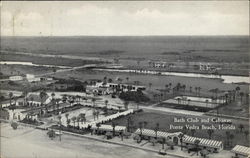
(127,78)
(60,125)
(25,93)
(82,117)
(128,123)
(141,127)
(206,103)
(190,89)
(53,95)
(126,105)
(237,90)
(246,134)
(74,120)
(113,125)
(179,100)
(98,125)
(10,97)
(181,135)
(97,114)
(78,119)
(150,85)
(93,101)
(67,118)
(106,104)
(199,91)
(241,97)
(228,137)
(42,95)
(196,143)
(210,132)
(189,100)
(156,129)
(145,123)
(231,137)
(241,127)
(193,131)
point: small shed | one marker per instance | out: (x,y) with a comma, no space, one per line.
(212,145)
(108,128)
(241,151)
(148,133)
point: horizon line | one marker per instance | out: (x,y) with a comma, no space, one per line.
(116,35)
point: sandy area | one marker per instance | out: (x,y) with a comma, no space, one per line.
(31,143)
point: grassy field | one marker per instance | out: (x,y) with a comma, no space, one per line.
(165,120)
(158,82)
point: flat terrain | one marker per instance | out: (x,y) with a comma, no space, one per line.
(31,143)
(199,48)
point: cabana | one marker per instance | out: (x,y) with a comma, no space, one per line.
(241,151)
(108,128)
(211,145)
(148,133)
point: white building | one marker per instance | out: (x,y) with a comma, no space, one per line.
(16,78)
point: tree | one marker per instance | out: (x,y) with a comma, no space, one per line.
(98,125)
(60,125)
(193,131)
(181,140)
(10,97)
(14,125)
(67,118)
(78,119)
(42,95)
(241,127)
(128,123)
(106,104)
(82,117)
(156,129)
(210,132)
(93,101)
(231,136)
(196,143)
(241,97)
(206,103)
(127,78)
(53,95)
(113,125)
(150,85)
(246,134)
(74,120)
(141,127)
(126,105)
(179,100)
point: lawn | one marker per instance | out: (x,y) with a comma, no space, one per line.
(166,120)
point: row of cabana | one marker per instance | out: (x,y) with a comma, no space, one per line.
(107,119)
(174,138)
(241,151)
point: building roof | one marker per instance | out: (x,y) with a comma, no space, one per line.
(37,98)
(203,141)
(110,128)
(242,150)
(151,133)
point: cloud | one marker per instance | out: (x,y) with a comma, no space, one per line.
(127,18)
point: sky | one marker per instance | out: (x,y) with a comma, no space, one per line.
(124,18)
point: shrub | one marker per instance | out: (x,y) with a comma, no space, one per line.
(14,125)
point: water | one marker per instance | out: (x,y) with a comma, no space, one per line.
(225,78)
(30,64)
